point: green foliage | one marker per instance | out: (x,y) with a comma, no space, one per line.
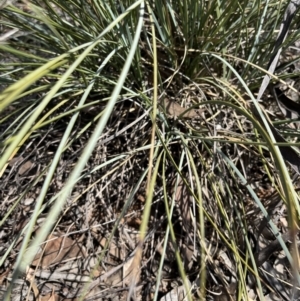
(122,59)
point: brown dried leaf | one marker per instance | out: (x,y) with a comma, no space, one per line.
(112,249)
(174,109)
(15,160)
(25,167)
(57,249)
(128,269)
(134,267)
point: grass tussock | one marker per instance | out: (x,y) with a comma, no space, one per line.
(137,162)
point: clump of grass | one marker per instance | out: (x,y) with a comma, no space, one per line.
(134,122)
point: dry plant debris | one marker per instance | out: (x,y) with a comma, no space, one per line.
(67,266)
(84,258)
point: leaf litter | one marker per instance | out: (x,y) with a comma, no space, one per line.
(68,260)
